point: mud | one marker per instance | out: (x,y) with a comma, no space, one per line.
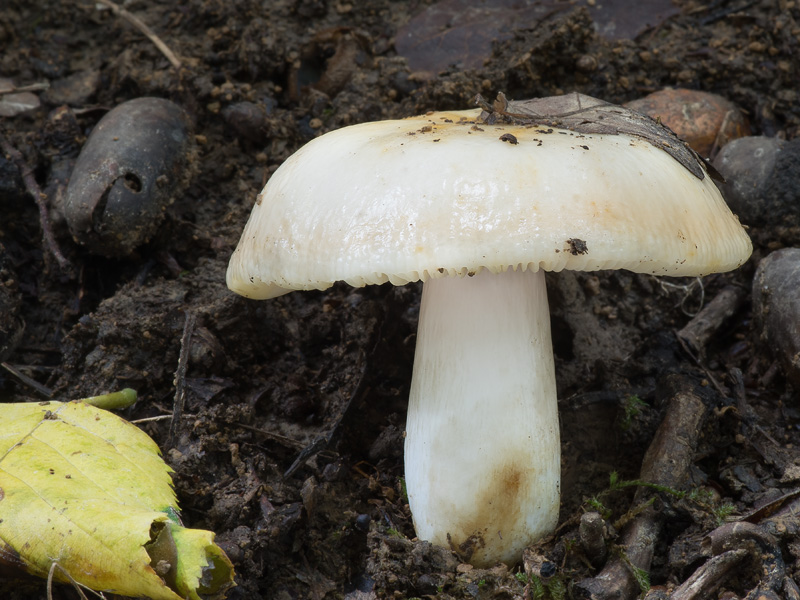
(315,384)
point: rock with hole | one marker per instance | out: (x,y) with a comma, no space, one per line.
(137,160)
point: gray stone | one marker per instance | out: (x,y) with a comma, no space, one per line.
(776,308)
(762,180)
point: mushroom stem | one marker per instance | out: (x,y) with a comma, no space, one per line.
(482,438)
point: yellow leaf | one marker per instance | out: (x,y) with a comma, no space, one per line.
(81,487)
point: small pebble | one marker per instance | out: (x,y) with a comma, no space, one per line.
(362,522)
(248,120)
(75,89)
(704,121)
(13,104)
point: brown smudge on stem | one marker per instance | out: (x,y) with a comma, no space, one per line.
(496,509)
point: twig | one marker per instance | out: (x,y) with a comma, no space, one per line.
(32,383)
(666,463)
(730,545)
(275,437)
(783,507)
(746,412)
(722,137)
(33,189)
(151,419)
(707,322)
(758,543)
(140,25)
(790,589)
(55,566)
(331,438)
(9,88)
(700,364)
(328,439)
(180,378)
(706,579)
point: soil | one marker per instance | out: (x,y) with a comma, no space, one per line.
(290,442)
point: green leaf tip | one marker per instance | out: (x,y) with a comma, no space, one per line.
(113,401)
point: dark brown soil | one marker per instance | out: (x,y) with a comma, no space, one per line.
(326,375)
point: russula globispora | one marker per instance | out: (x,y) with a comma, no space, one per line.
(478,205)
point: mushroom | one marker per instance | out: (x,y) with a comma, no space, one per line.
(478,205)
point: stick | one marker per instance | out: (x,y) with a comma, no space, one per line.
(34,190)
(53,566)
(9,88)
(275,437)
(152,419)
(140,25)
(335,433)
(707,322)
(666,463)
(758,543)
(30,382)
(180,378)
(710,576)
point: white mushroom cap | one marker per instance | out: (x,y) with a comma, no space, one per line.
(438,195)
